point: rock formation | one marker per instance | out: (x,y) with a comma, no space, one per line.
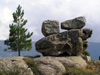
(68,43)
(15,64)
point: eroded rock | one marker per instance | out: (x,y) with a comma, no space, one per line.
(65,43)
(87,32)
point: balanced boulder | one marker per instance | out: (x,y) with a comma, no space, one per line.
(76,23)
(50,27)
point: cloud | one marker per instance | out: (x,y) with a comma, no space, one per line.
(36,11)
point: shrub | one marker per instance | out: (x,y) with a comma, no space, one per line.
(86,53)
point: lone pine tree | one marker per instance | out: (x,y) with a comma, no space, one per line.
(18,39)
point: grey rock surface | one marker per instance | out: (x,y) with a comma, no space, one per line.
(49,66)
(50,27)
(76,23)
(46,65)
(54,65)
(14,64)
(65,43)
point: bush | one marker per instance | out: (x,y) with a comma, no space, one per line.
(86,53)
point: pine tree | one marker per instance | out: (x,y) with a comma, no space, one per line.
(18,39)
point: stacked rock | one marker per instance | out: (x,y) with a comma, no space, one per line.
(68,43)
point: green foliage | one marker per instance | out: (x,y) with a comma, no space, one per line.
(33,66)
(18,39)
(72,70)
(86,53)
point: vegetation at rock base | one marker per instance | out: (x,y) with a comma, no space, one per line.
(71,70)
(18,39)
(93,68)
(31,64)
(9,73)
(86,53)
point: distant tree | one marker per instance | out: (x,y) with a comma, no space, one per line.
(18,39)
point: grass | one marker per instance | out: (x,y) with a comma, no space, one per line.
(93,68)
(72,70)
(33,66)
(9,73)
(16,72)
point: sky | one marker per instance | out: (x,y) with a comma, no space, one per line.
(37,11)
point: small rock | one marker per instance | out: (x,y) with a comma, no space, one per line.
(76,23)
(50,27)
(87,58)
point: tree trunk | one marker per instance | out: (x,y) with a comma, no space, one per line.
(19,52)
(18,35)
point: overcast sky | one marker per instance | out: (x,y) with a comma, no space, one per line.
(36,11)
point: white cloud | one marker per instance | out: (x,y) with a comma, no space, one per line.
(6,15)
(36,11)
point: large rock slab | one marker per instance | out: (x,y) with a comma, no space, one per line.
(50,27)
(68,43)
(15,64)
(76,23)
(49,66)
(54,65)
